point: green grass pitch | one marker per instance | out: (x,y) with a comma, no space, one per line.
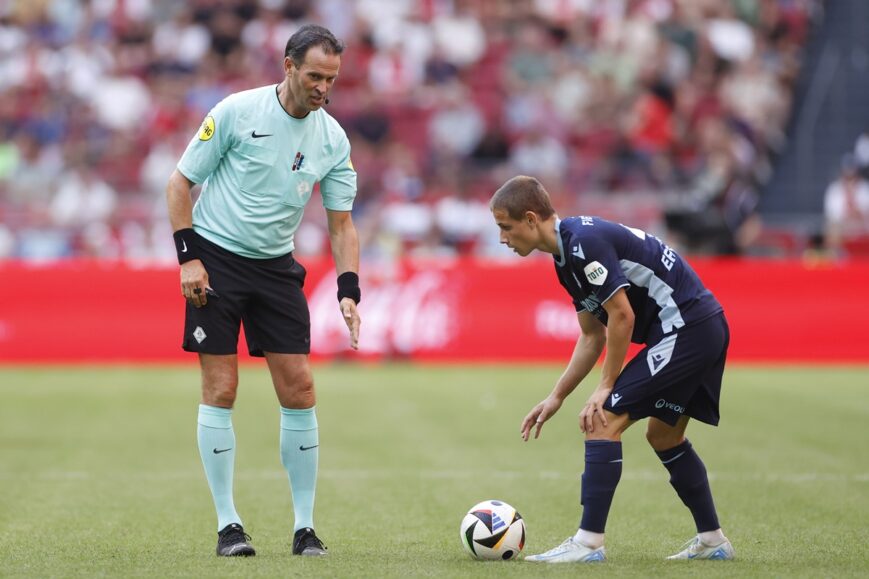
(100,474)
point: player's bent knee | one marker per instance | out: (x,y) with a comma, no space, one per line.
(596,435)
(660,439)
(615,426)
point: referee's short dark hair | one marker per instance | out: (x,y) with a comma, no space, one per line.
(311,35)
(521,194)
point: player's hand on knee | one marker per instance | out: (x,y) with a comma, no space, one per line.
(594,406)
(538,415)
(351,318)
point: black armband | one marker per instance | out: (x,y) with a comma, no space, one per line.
(348,286)
(185,244)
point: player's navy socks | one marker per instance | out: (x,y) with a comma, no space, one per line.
(299,455)
(603,469)
(217,449)
(688,477)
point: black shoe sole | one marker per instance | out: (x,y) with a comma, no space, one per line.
(242,552)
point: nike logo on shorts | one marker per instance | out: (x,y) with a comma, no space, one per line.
(308,447)
(215,451)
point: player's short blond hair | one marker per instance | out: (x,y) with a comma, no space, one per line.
(521,194)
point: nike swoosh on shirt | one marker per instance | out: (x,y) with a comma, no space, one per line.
(261,135)
(308,447)
(215,451)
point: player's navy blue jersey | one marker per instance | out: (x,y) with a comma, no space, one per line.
(597,257)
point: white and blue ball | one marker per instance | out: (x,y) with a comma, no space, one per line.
(493,530)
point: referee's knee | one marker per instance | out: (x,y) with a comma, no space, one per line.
(303,385)
(296,390)
(219,393)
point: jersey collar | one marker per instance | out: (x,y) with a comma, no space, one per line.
(560,258)
(286,112)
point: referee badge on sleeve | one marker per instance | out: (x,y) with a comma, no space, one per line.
(207,129)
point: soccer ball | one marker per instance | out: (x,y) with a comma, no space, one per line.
(493,530)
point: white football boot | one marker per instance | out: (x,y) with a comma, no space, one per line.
(697,549)
(570,551)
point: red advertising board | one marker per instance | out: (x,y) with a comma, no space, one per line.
(438,310)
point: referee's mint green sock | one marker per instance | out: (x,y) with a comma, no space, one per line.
(217,449)
(299,455)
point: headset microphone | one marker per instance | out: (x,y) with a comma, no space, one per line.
(327,100)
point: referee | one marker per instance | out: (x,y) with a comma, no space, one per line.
(258,155)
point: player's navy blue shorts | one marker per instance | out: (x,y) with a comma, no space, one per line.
(263,294)
(679,375)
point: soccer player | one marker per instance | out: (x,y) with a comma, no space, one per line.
(626,286)
(259,154)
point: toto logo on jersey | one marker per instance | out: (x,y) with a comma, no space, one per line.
(595,273)
(661,403)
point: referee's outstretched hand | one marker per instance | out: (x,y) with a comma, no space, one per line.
(351,318)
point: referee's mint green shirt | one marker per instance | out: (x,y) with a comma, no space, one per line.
(258,166)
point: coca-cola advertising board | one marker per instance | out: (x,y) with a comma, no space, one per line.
(441,310)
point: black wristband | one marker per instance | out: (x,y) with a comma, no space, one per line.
(185,245)
(348,286)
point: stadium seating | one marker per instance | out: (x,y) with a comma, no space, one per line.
(619,102)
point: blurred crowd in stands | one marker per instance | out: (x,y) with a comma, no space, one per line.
(846,204)
(664,114)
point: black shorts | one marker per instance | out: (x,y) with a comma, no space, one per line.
(679,375)
(263,294)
